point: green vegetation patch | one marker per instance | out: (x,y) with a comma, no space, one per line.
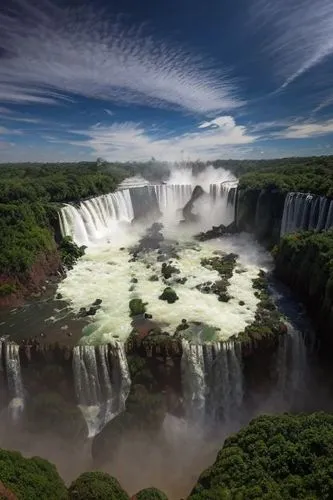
(224,265)
(305,261)
(150,494)
(70,252)
(283,457)
(137,307)
(25,233)
(313,175)
(169,295)
(267,322)
(93,485)
(31,478)
(7,289)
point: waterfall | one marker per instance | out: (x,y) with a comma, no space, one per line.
(194,380)
(212,381)
(306,211)
(96,218)
(14,380)
(133,182)
(329,218)
(224,197)
(172,197)
(102,383)
(292,366)
(144,201)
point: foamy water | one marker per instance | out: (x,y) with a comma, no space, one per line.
(105,273)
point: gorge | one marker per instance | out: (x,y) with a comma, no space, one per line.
(165,385)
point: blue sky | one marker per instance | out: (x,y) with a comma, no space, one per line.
(128,80)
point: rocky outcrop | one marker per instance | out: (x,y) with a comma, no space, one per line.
(217,232)
(187,210)
(46,266)
(303,262)
(268,217)
(260,211)
(5,493)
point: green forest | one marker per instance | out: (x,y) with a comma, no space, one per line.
(313,175)
(283,457)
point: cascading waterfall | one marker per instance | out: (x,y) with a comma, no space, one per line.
(96,218)
(194,380)
(292,366)
(14,380)
(224,197)
(212,380)
(102,383)
(172,197)
(144,201)
(306,211)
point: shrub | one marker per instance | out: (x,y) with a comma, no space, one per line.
(96,485)
(150,494)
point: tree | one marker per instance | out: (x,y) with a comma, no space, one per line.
(96,486)
(30,478)
(283,457)
(150,494)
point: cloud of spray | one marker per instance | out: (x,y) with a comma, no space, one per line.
(208,176)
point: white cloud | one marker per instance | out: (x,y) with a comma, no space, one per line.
(298,34)
(130,141)
(109,112)
(306,130)
(219,122)
(76,51)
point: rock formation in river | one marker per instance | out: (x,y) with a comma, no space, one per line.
(197,193)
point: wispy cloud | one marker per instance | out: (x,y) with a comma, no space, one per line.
(22,119)
(8,131)
(109,112)
(130,141)
(324,104)
(298,34)
(306,130)
(54,52)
